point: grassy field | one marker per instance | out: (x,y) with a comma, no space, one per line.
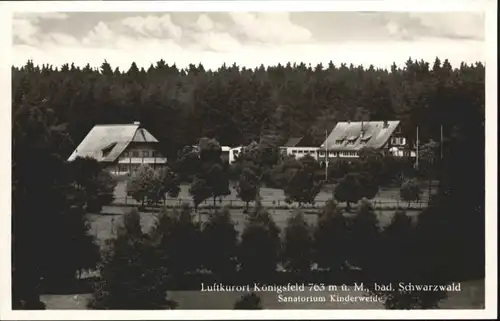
(271,197)
(471,296)
(103,226)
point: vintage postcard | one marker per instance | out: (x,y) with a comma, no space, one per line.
(194,159)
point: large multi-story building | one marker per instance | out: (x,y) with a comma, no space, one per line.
(348,138)
(122,148)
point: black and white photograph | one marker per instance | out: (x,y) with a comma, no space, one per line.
(252,159)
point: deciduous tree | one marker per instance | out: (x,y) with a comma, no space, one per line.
(355,186)
(410,191)
(248,187)
(303,183)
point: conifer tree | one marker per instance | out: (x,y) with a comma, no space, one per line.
(131,276)
(297,244)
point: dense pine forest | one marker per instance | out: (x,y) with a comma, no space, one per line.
(237,105)
(54,108)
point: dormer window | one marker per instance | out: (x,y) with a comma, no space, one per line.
(106,150)
(366,138)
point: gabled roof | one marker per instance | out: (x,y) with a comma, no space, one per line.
(347,135)
(292,142)
(303,141)
(116,137)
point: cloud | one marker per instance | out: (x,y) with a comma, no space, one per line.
(272,27)
(204,23)
(101,34)
(249,39)
(26,28)
(63,39)
(457,25)
(25,31)
(217,41)
(446,25)
(154,26)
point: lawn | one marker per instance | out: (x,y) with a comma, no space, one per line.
(471,296)
(272,197)
(104,225)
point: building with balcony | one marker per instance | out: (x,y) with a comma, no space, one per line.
(348,138)
(121,148)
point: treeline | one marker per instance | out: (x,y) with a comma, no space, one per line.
(52,110)
(140,266)
(236,105)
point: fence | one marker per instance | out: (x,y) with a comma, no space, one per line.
(277,204)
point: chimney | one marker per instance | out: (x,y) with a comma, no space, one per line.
(137,123)
(362,133)
(386,124)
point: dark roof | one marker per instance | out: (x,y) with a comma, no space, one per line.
(303,141)
(292,142)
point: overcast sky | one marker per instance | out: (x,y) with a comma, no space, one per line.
(249,39)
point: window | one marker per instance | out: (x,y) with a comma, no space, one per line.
(154,154)
(125,154)
(145,153)
(122,168)
(321,153)
(294,152)
(339,141)
(135,153)
(398,140)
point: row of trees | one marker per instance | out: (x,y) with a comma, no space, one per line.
(300,179)
(138,265)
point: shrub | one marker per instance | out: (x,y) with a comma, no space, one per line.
(249,301)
